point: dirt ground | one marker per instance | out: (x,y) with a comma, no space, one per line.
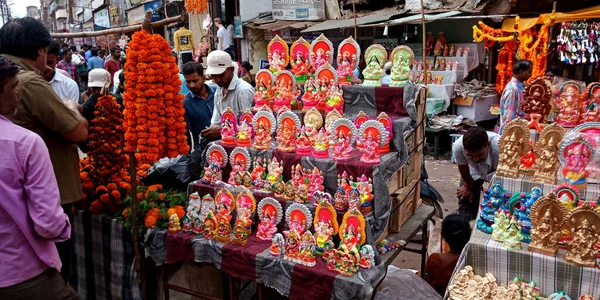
(444,177)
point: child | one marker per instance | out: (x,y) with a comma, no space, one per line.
(440,266)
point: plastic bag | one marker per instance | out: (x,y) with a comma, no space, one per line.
(174,173)
(404,284)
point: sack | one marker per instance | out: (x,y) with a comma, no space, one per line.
(77,59)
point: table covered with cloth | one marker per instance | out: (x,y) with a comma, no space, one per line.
(255,263)
(525,184)
(552,274)
(103,264)
(399,104)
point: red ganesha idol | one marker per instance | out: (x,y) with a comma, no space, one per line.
(299,59)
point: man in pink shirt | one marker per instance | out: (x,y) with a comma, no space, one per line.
(31,218)
(114,63)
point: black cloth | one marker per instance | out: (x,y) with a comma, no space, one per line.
(186,57)
(470,208)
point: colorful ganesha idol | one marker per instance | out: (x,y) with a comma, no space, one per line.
(592,95)
(298,219)
(265,82)
(347,60)
(386,121)
(328,79)
(245,130)
(270,214)
(278,54)
(494,198)
(285,91)
(346,258)
(344,133)
(299,59)
(325,223)
(373,136)
(216,156)
(264,124)
(225,205)
(240,165)
(321,52)
(245,207)
(228,127)
(287,125)
(569,105)
(575,154)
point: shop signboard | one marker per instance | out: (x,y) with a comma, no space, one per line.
(299,10)
(136,15)
(117,14)
(263,64)
(101,20)
(97,3)
(132,3)
(239,32)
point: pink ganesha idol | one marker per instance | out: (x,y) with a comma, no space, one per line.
(373,136)
(228,127)
(270,213)
(285,90)
(344,132)
(321,145)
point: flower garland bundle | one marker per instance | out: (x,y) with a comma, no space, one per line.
(196,6)
(156,206)
(504,65)
(489,35)
(154,121)
(103,172)
(535,51)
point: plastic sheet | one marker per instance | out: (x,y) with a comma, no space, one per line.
(175,173)
(404,284)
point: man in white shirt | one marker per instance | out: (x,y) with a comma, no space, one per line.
(65,87)
(232,91)
(224,39)
(476,153)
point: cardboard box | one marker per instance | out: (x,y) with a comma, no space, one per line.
(476,109)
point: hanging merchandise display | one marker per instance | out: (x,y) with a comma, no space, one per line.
(524,44)
(578,42)
(154,121)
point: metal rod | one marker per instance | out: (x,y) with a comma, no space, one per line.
(424,32)
(392,23)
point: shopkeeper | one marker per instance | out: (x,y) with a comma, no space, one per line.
(476,153)
(512,95)
(231,92)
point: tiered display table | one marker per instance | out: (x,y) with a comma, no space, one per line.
(552,274)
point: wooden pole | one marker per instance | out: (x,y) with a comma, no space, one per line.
(125,29)
(424,32)
(355,27)
(134,217)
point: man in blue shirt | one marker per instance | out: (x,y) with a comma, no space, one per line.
(88,51)
(95,62)
(199,102)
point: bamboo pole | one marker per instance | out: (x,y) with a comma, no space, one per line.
(424,32)
(355,27)
(125,29)
(134,220)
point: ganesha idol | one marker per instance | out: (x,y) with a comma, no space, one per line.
(228,127)
(373,136)
(592,95)
(347,60)
(335,100)
(575,154)
(320,52)
(285,91)
(402,58)
(569,105)
(264,89)
(537,96)
(310,98)
(278,54)
(376,56)
(344,133)
(299,60)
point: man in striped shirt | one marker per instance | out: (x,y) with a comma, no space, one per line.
(512,95)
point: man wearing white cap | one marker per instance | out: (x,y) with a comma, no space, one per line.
(232,91)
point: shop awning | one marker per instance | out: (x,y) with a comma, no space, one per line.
(376,17)
(552,18)
(274,25)
(416,19)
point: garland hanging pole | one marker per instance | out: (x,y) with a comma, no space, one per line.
(134,218)
(126,29)
(424,40)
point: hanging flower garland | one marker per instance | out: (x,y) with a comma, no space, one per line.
(103,172)
(196,6)
(154,121)
(531,45)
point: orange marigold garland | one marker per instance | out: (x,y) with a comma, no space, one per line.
(154,114)
(103,172)
(196,6)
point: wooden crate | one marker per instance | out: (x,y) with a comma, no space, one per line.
(404,204)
